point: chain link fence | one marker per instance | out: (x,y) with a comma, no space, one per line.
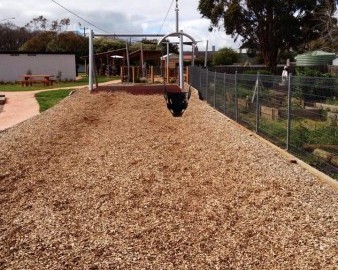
(297,113)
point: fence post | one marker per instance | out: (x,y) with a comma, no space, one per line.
(152,75)
(187,75)
(200,76)
(215,90)
(133,73)
(207,85)
(224,88)
(192,76)
(257,102)
(236,98)
(288,115)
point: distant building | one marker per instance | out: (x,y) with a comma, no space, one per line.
(173,60)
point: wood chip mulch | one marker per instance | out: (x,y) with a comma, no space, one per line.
(112,181)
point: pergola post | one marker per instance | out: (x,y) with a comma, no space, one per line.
(152,76)
(167,62)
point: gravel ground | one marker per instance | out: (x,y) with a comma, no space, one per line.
(113,181)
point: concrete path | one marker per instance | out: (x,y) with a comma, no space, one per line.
(21,106)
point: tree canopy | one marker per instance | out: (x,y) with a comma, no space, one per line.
(12,36)
(269,26)
(64,42)
(225,56)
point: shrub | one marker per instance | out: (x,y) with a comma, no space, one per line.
(225,56)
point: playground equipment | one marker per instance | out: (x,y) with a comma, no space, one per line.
(177,101)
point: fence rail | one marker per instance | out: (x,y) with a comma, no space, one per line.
(299,114)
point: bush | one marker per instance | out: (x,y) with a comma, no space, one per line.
(225,56)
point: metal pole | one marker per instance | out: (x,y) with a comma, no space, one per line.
(236,98)
(207,84)
(200,76)
(177,10)
(91,58)
(288,115)
(193,55)
(181,61)
(225,100)
(206,55)
(215,89)
(257,103)
(128,63)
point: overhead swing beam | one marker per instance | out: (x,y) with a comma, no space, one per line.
(128,35)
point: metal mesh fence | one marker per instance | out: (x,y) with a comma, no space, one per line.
(299,114)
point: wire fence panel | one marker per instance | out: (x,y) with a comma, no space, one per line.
(298,113)
(247,96)
(273,109)
(219,92)
(314,129)
(230,96)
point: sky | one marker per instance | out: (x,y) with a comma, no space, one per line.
(120,17)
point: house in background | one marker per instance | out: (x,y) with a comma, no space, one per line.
(15,64)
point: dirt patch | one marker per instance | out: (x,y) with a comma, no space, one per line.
(113,181)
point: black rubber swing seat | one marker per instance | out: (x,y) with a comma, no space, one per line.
(177,102)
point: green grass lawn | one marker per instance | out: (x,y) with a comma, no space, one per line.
(82,82)
(48,99)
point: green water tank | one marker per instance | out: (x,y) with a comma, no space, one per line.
(315,58)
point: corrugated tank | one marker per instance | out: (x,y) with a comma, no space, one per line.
(315,58)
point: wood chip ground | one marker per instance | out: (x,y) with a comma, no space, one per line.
(113,181)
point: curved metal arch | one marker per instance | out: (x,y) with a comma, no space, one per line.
(177,34)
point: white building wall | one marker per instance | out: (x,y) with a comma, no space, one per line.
(14,65)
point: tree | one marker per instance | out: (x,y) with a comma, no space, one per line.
(39,43)
(225,56)
(270,26)
(327,25)
(12,37)
(104,44)
(67,42)
(38,23)
(41,23)
(58,26)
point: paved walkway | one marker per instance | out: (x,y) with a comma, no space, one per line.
(21,106)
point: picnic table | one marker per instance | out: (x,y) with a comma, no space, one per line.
(29,79)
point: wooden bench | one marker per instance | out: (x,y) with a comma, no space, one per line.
(2,99)
(28,80)
(33,81)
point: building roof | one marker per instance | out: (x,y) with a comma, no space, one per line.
(29,52)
